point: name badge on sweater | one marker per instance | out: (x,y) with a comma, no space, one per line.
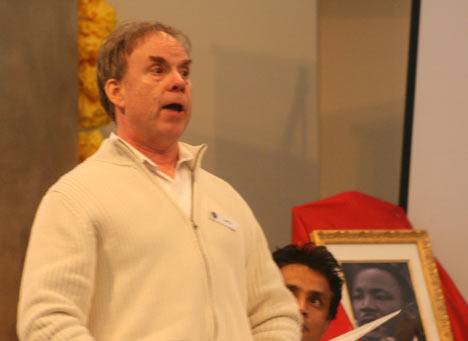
(229,223)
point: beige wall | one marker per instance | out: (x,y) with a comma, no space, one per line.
(438,193)
(254,96)
(363,53)
(38,125)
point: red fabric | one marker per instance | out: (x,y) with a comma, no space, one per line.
(355,210)
(340,325)
(457,309)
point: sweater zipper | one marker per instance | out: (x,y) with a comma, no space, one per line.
(201,248)
(196,232)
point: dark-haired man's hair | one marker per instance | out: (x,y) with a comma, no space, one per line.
(318,259)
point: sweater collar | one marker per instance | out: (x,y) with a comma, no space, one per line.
(125,154)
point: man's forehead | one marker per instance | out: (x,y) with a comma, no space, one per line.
(375,276)
(309,290)
(305,278)
(159,40)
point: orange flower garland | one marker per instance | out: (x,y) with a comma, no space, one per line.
(96,20)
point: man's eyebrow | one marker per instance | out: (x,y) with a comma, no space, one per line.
(315,292)
(292,286)
(158,60)
(161,60)
(381,291)
(186,62)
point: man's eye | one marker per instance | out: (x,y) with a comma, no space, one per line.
(315,301)
(185,73)
(357,295)
(157,69)
(383,296)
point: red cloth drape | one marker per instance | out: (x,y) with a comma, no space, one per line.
(355,210)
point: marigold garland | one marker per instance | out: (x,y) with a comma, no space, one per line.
(96,20)
(92,115)
(89,142)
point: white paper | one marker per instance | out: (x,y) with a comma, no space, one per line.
(359,332)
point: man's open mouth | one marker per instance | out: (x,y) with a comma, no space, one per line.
(174,106)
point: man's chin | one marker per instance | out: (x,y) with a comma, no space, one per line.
(308,336)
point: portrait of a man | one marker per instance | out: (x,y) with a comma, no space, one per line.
(378,289)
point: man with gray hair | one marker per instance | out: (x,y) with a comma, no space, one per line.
(139,242)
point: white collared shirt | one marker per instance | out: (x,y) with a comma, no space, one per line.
(179,187)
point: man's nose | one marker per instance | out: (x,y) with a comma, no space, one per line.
(367,302)
(303,306)
(177,82)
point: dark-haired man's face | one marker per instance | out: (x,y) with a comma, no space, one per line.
(313,295)
(376,293)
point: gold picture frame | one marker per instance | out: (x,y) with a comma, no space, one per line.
(409,248)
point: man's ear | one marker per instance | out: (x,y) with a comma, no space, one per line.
(114,92)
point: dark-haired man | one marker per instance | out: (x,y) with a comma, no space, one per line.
(139,242)
(312,274)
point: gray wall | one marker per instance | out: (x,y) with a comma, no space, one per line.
(363,55)
(38,125)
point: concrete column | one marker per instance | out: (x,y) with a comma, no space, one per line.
(38,125)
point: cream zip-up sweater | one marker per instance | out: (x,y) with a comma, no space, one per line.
(112,257)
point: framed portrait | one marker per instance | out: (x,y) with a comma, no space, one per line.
(386,271)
